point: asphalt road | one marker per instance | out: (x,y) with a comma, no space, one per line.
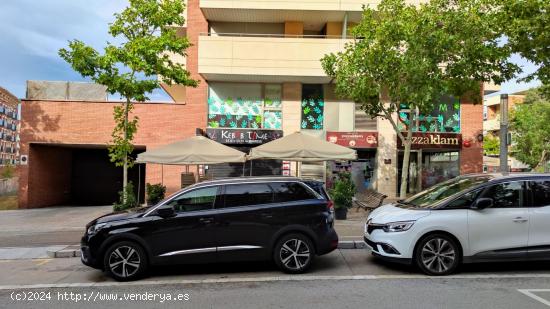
(341,279)
(323,293)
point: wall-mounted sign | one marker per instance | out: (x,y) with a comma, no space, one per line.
(354,139)
(243,136)
(433,140)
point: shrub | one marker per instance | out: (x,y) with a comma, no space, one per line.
(155,193)
(343,191)
(127,198)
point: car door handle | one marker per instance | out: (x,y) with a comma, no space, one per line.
(520,220)
(266,215)
(206,220)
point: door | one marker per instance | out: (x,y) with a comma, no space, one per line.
(189,236)
(502,230)
(539,218)
(247,219)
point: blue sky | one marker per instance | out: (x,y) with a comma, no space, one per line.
(32,31)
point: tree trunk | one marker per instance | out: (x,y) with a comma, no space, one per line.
(406,160)
(125,166)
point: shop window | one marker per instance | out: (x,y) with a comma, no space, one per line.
(439,166)
(445,117)
(313,106)
(244,106)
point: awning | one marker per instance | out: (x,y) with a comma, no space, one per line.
(194,150)
(302,147)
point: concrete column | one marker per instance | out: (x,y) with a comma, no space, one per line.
(292,112)
(386,174)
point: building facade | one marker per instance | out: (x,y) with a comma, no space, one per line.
(260,78)
(9,128)
(259,66)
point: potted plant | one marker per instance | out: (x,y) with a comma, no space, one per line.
(342,195)
(155,193)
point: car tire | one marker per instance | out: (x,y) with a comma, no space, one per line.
(125,261)
(437,255)
(294,253)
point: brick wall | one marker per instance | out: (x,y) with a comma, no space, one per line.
(471,124)
(51,175)
(196,24)
(77,123)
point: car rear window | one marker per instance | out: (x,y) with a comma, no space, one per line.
(318,187)
(290,191)
(541,193)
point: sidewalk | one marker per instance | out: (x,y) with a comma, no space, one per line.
(352,228)
(32,233)
(44,227)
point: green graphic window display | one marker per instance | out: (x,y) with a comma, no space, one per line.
(243,106)
(445,117)
(313,107)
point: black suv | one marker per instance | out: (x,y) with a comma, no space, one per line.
(288,220)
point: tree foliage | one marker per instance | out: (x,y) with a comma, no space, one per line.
(531,130)
(491,145)
(148,34)
(415,54)
(526,24)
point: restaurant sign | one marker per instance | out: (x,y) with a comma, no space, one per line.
(243,136)
(354,139)
(433,141)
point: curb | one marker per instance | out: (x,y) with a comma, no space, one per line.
(69,253)
(64,253)
(352,244)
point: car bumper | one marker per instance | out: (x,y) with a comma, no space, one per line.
(327,243)
(396,247)
(86,256)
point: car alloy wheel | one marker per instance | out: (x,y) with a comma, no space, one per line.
(438,255)
(125,261)
(294,253)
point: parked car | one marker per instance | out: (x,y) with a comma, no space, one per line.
(473,218)
(287,220)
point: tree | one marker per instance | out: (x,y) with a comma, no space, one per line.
(531,131)
(147,28)
(414,55)
(491,145)
(526,26)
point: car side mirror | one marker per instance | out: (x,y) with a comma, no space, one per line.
(482,203)
(166,212)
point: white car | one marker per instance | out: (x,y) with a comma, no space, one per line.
(472,218)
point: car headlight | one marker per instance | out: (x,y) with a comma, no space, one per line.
(95,228)
(398,226)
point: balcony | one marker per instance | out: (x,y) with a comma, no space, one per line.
(265,58)
(278,11)
(275,11)
(492,125)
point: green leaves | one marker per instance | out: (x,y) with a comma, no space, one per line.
(491,145)
(134,67)
(531,130)
(407,53)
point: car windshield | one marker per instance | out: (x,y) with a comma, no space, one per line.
(432,196)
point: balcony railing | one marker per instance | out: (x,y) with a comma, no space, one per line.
(277,35)
(288,57)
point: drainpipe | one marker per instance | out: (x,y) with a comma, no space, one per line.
(345,26)
(504,133)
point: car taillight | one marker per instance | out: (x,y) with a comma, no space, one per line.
(330,206)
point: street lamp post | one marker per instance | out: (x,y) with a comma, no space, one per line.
(504,133)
